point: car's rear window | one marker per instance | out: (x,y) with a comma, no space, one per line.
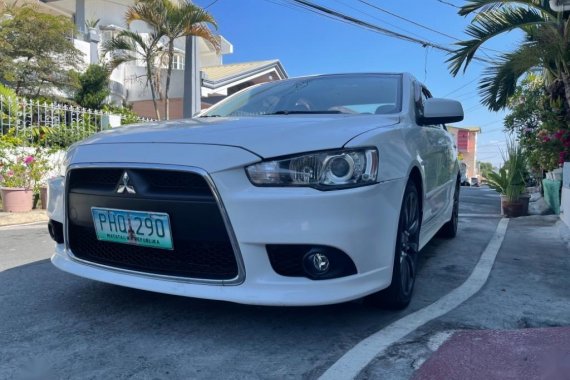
(345,94)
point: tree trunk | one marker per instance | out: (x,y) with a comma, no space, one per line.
(566,80)
(153,94)
(168,74)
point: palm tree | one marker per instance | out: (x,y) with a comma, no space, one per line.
(129,46)
(173,19)
(546,46)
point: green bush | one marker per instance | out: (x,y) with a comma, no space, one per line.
(9,109)
(510,179)
(94,87)
(127,114)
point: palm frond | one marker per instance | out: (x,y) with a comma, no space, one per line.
(153,12)
(484,6)
(499,81)
(204,32)
(489,25)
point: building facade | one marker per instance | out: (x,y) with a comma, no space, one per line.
(129,82)
(466,142)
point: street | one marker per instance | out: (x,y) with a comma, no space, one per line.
(55,325)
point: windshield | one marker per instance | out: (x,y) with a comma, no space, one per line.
(335,94)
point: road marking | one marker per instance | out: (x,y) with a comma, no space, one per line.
(355,360)
(24,226)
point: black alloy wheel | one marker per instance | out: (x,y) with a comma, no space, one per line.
(399,294)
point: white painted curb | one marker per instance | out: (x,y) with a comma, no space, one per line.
(355,360)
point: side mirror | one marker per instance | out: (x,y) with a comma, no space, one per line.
(441,111)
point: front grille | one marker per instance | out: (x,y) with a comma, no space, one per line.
(195,259)
(202,247)
(104,179)
(152,182)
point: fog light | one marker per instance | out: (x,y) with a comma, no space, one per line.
(55,230)
(316,262)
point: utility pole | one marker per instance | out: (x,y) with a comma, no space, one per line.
(80,17)
(191,101)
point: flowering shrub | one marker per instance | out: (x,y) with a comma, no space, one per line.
(540,125)
(19,169)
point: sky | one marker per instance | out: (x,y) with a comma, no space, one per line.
(307,43)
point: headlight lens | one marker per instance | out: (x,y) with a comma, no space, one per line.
(321,170)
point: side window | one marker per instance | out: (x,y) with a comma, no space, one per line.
(419,100)
(421,97)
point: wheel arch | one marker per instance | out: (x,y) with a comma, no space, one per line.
(416,177)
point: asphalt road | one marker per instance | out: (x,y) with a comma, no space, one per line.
(55,325)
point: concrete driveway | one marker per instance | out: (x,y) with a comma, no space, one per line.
(61,326)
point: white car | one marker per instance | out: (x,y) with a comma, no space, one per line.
(307,191)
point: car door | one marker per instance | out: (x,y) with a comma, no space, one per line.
(436,150)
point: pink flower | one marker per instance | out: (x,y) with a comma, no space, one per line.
(28,160)
(10,173)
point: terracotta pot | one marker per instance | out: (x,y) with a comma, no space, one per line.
(516,208)
(17,199)
(43,197)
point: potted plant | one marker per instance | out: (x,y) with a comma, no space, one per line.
(19,173)
(509,181)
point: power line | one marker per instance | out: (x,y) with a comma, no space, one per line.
(408,20)
(212,3)
(300,8)
(448,3)
(460,88)
(342,17)
(491,123)
(376,18)
(418,24)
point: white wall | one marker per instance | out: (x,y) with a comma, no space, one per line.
(85,48)
(136,87)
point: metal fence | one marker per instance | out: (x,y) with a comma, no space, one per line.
(51,123)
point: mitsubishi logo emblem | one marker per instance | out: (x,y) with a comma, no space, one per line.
(321,262)
(125,185)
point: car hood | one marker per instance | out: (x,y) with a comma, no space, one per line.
(266,136)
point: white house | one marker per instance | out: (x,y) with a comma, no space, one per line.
(128,81)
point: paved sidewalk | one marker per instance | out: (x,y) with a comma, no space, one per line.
(541,353)
(9,218)
(536,253)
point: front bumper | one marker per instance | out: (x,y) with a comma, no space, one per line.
(361,222)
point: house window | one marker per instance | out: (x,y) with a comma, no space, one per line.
(178,62)
(107,35)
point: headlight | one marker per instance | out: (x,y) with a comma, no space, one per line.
(321,170)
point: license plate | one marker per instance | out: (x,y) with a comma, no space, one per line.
(147,229)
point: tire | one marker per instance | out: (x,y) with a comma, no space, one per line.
(449,229)
(399,294)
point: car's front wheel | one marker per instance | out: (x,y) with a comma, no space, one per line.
(399,294)
(449,229)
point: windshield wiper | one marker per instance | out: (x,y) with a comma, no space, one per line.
(211,116)
(285,112)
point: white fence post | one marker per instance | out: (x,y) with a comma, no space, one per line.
(26,118)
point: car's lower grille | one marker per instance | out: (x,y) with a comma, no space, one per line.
(202,247)
(287,260)
(211,260)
